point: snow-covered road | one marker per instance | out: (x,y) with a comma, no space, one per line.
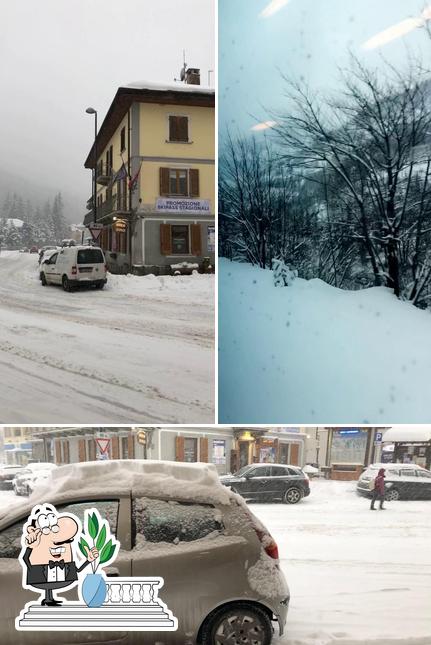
(140,351)
(356,577)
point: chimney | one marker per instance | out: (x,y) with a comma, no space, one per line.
(193,76)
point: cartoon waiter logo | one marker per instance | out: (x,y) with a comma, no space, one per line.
(48,555)
(49,562)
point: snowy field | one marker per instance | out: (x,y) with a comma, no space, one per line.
(312,353)
(141,350)
(356,577)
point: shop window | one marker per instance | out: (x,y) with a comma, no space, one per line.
(124,448)
(179,129)
(172,522)
(219,451)
(190,449)
(180,240)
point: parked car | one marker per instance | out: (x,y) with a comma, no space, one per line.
(219,563)
(402,481)
(34,249)
(75,266)
(7,473)
(44,251)
(269,482)
(68,243)
(26,479)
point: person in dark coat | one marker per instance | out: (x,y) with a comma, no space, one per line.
(379,490)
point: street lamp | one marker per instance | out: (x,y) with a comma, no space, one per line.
(91,110)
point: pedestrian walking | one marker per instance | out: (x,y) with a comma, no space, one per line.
(379,490)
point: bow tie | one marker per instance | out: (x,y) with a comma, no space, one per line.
(56,563)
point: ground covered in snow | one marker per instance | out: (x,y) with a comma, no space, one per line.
(139,351)
(312,353)
(356,577)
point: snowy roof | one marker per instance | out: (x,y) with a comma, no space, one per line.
(191,482)
(170,87)
(17,223)
(408,433)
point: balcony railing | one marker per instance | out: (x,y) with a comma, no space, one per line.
(103,174)
(116,204)
(131,604)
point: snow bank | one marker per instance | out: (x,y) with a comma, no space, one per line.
(190,482)
(314,353)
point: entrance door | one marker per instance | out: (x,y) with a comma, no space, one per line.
(294,454)
(284,453)
(243,453)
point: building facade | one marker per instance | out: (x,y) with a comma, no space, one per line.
(17,445)
(155,173)
(408,445)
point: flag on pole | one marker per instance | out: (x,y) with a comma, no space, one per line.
(134,180)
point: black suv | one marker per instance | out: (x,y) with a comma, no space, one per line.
(269,482)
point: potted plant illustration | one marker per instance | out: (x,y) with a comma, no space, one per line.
(96,534)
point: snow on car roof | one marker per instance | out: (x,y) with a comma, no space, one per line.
(408,433)
(194,482)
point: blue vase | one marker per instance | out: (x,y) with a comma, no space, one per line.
(94,590)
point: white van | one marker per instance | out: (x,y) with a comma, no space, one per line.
(75,266)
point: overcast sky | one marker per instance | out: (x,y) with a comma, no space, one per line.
(57,57)
(305,39)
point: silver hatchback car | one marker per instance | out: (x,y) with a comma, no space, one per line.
(222,578)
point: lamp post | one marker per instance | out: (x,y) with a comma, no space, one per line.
(91,110)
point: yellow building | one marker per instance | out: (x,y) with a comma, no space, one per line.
(155,176)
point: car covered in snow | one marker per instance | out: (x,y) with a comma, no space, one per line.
(269,482)
(402,481)
(7,474)
(74,266)
(45,252)
(220,566)
(27,478)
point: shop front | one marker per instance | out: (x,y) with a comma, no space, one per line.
(410,445)
(350,451)
(277,445)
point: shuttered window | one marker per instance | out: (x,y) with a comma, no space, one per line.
(179,239)
(123,139)
(179,128)
(179,182)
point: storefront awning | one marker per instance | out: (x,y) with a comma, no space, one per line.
(412,434)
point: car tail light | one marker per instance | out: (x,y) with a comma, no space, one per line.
(74,270)
(268,543)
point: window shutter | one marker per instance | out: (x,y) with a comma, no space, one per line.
(165,239)
(164,181)
(173,130)
(131,446)
(194,182)
(196,245)
(183,128)
(294,454)
(115,447)
(203,449)
(81,450)
(179,448)
(58,454)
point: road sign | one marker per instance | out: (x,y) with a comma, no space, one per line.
(103,444)
(95,229)
(378,437)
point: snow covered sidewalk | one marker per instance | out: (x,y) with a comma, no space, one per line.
(311,353)
(356,577)
(140,351)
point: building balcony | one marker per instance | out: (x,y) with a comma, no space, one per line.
(103,174)
(114,205)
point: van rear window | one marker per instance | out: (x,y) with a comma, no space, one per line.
(90,256)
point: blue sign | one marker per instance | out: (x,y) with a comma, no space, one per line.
(349,431)
(378,437)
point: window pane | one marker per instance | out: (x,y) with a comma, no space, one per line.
(182,182)
(180,240)
(173,522)
(90,256)
(190,450)
(173,182)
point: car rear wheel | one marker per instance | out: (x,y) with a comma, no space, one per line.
(240,624)
(100,285)
(392,495)
(292,496)
(43,279)
(66,284)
